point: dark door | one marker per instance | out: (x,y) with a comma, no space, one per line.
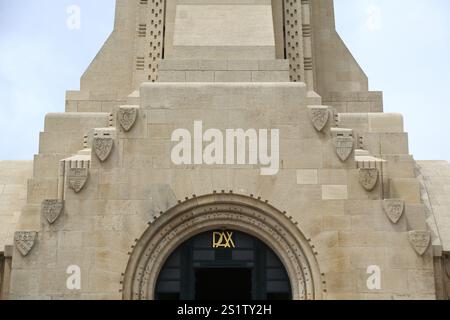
(223,284)
(214,267)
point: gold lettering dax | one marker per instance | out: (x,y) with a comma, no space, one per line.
(223,240)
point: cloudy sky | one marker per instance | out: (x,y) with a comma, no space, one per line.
(403,45)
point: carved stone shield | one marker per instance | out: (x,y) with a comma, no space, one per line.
(394,209)
(319,116)
(25,241)
(77,178)
(52,209)
(102,147)
(420,241)
(368,178)
(344,146)
(127,117)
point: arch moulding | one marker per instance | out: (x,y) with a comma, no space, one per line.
(222,211)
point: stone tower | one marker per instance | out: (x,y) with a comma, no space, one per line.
(347,201)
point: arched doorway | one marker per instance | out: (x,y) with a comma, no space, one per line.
(223,265)
(222,211)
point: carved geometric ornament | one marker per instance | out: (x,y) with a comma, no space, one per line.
(52,209)
(102,147)
(77,178)
(368,177)
(394,209)
(24,241)
(127,116)
(420,241)
(319,116)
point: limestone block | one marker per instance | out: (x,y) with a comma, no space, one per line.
(326,239)
(212,65)
(307,208)
(407,189)
(199,76)
(178,65)
(41,189)
(89,106)
(133,225)
(356,121)
(386,123)
(307,177)
(15,172)
(289,131)
(46,166)
(302,192)
(421,282)
(376,106)
(394,143)
(101,281)
(415,217)
(400,166)
(333,177)
(172,76)
(75,122)
(71,106)
(270,76)
(305,153)
(29,218)
(68,143)
(225,96)
(110,261)
(245,181)
(110,106)
(116,191)
(70,240)
(313,99)
(363,222)
(113,240)
(161,131)
(226,26)
(273,65)
(399,259)
(25,283)
(334,192)
(363,258)
(342,282)
(233,76)
(371,142)
(242,65)
(336,263)
(337,223)
(358,107)
(157,116)
(361,239)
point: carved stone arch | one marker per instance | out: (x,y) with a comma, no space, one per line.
(217,211)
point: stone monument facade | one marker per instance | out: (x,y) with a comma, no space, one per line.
(342,206)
